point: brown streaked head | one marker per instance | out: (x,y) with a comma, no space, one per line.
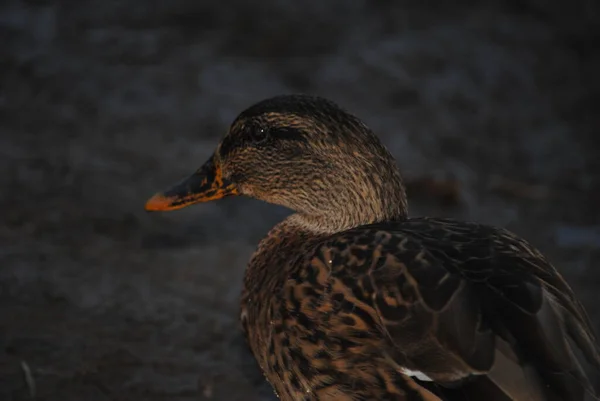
(304,153)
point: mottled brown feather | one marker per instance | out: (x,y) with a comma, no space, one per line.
(446,298)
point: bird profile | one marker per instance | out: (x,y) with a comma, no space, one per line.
(351,299)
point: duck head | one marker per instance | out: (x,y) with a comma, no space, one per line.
(304,153)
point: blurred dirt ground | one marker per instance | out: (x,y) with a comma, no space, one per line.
(488,107)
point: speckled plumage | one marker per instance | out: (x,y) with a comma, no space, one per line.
(349,299)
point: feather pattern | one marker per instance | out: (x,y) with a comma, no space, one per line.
(457,302)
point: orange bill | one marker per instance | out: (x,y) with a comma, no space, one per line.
(204,185)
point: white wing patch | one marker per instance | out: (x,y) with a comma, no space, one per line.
(416,374)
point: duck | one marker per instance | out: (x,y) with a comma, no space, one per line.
(350,299)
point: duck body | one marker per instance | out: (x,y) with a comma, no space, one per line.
(350,316)
(349,299)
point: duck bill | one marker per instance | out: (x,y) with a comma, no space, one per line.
(204,185)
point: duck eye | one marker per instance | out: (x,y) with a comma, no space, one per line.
(258,135)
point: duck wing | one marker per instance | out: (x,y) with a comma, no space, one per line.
(468,310)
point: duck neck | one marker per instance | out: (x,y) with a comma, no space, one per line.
(374,199)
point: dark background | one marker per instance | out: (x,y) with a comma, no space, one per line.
(488,107)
